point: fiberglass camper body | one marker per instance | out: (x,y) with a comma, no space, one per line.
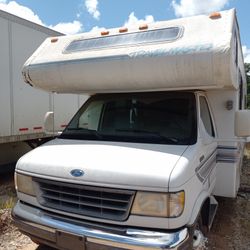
(162,133)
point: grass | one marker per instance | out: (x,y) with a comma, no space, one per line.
(7,196)
(7,203)
(247,150)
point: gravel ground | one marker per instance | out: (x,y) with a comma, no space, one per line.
(231,228)
(10,237)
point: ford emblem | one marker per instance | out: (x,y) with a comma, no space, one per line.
(77,172)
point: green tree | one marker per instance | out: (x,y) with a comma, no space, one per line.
(247,69)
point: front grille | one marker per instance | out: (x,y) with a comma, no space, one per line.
(105,203)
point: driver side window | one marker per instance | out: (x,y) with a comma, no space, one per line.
(91,117)
(206,116)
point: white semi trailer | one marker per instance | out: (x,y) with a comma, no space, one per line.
(22,108)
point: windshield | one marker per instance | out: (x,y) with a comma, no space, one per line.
(164,118)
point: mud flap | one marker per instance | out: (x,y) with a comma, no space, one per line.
(212,211)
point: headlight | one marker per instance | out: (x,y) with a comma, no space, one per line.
(24,184)
(159,204)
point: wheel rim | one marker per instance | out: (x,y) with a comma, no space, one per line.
(198,238)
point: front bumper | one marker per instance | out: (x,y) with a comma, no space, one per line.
(66,233)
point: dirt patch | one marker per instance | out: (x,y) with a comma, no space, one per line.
(231,228)
(4,220)
(10,237)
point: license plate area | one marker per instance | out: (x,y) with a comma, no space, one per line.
(70,241)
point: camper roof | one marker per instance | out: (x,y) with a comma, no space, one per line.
(200,52)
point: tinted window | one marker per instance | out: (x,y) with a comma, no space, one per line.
(124,39)
(206,116)
(167,118)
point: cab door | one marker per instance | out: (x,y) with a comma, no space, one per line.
(206,171)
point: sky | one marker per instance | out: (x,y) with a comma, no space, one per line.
(77,16)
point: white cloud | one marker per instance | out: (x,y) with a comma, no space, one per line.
(97,29)
(68,28)
(195,7)
(21,11)
(26,13)
(246,54)
(92,8)
(133,20)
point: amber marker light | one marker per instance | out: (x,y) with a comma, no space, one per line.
(104,32)
(143,26)
(215,15)
(123,29)
(54,40)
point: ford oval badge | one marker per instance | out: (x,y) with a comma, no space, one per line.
(77,172)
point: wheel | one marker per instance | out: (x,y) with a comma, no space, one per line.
(199,235)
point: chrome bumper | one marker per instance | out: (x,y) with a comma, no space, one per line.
(54,230)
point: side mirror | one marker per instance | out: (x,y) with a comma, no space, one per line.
(49,123)
(242,123)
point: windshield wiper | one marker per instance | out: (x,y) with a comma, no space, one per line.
(84,130)
(151,133)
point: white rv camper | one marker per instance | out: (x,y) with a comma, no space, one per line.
(163,132)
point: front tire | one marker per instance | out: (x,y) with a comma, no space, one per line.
(199,234)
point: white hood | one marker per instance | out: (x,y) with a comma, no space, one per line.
(111,164)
